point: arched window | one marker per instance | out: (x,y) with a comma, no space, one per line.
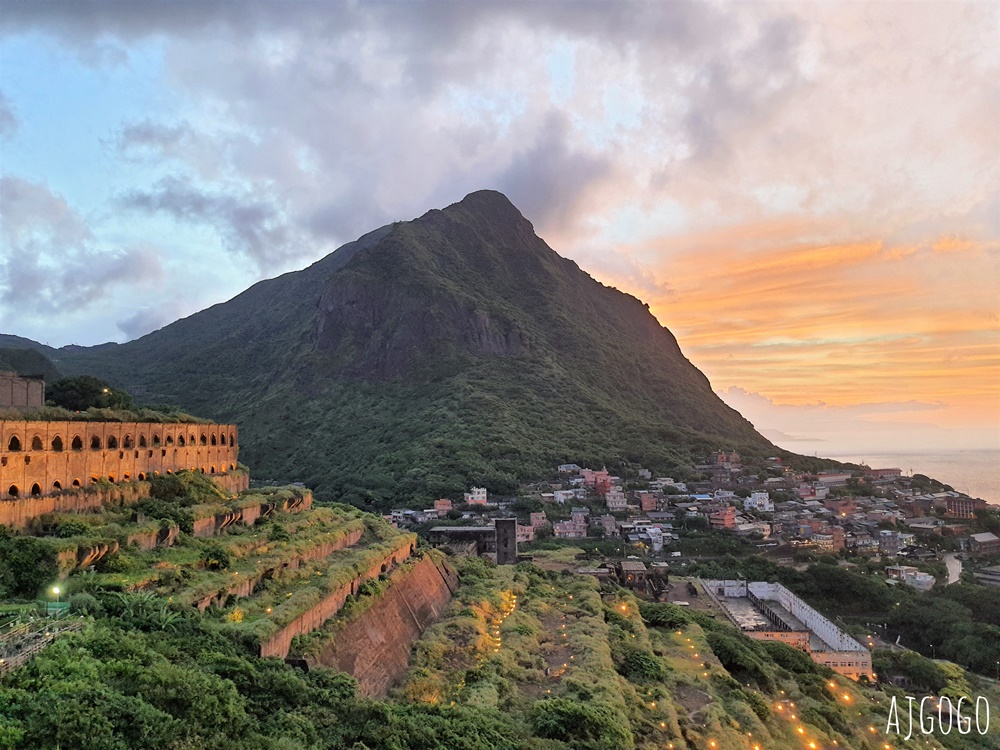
(169,471)
(112,442)
(13,491)
(95,443)
(156,439)
(76,483)
(94,479)
(204,440)
(36,489)
(142,477)
(170,440)
(214,441)
(111,478)
(232,467)
(36,443)
(57,443)
(213,469)
(127,443)
(142,441)
(77,443)
(232,442)
(193,442)
(180,441)
(127,478)
(14,444)
(56,485)
(156,473)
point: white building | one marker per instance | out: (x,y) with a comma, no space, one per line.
(759,501)
(476,496)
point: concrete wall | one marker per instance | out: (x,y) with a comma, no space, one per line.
(39,458)
(17,513)
(278,644)
(246,586)
(375,647)
(21,393)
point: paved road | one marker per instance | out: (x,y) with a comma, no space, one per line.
(954,567)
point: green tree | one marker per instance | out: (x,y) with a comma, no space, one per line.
(27,565)
(86,392)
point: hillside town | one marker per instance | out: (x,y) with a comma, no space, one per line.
(869,512)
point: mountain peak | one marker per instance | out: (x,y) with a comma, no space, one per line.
(490,206)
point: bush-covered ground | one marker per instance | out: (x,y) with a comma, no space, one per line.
(524,658)
(574,666)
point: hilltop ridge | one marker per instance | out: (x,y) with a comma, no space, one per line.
(452,349)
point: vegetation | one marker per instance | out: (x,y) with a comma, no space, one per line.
(492,360)
(958,622)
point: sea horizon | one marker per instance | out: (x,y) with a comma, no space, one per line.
(975,472)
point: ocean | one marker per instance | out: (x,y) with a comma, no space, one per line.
(975,472)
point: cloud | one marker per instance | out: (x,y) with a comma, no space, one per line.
(805,194)
(250,225)
(153,317)
(854,428)
(9,122)
(51,260)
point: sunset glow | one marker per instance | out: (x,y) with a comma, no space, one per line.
(805,194)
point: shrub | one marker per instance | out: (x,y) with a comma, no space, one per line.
(586,726)
(85,604)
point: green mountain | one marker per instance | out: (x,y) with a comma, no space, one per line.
(428,355)
(27,361)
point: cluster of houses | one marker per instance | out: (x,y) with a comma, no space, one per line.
(789,510)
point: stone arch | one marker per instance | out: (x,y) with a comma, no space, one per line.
(36,490)
(127,442)
(156,439)
(142,476)
(77,482)
(13,491)
(111,478)
(180,441)
(213,469)
(77,443)
(36,444)
(57,485)
(214,441)
(142,441)
(57,444)
(232,441)
(170,439)
(194,440)
(112,442)
(202,470)
(95,443)
(14,444)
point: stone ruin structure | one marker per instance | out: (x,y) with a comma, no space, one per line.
(47,459)
(17,392)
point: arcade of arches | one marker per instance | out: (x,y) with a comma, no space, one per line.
(42,458)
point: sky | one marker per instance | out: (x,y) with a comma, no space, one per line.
(806,194)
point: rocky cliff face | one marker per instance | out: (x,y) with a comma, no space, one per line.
(375,646)
(454,349)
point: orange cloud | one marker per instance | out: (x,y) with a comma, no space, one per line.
(846,323)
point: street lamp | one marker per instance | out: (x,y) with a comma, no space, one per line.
(57,591)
